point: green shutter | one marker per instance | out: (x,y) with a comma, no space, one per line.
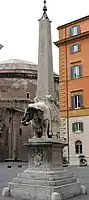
(78,29)
(70,32)
(72,101)
(80,70)
(71,70)
(81,100)
(81,125)
(76,126)
(73,127)
(79,47)
(71,49)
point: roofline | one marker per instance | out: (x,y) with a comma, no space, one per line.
(20,62)
(73,22)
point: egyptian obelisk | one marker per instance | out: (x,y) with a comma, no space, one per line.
(45,81)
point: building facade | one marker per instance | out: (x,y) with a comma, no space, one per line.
(18,80)
(73,47)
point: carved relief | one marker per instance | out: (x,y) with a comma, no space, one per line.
(37,157)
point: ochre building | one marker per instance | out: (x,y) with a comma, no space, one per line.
(73,47)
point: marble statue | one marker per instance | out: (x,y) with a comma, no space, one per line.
(36,115)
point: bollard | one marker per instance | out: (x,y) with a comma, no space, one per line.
(83,189)
(19,165)
(9,166)
(6,192)
(55,196)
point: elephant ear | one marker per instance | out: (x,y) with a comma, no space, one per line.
(30,112)
(39,112)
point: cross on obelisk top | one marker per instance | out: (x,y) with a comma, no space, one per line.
(45,7)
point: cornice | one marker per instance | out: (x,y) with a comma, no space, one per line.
(15,75)
(69,40)
(23,75)
(16,100)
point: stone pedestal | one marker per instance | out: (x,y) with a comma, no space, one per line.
(45,173)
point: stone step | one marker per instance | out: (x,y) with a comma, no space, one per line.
(26,191)
(44,176)
(44,182)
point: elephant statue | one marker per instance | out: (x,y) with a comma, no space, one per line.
(35,115)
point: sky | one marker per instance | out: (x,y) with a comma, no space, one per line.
(19,26)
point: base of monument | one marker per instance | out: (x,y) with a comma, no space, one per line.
(40,185)
(45,174)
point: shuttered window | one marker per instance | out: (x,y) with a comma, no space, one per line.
(77,127)
(76,101)
(75,30)
(76,71)
(75,48)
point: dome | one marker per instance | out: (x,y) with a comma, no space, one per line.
(19,66)
(15,64)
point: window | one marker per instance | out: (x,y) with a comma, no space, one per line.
(78,147)
(76,71)
(75,48)
(28,95)
(75,30)
(76,101)
(77,127)
(9,119)
(20,131)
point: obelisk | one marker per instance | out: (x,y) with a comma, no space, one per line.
(45,81)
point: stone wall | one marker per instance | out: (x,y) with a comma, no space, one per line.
(12,135)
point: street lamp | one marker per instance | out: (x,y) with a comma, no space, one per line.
(1,46)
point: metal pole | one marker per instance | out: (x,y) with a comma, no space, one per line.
(1,46)
(67,99)
(67,105)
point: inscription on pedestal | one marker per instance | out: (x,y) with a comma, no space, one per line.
(37,157)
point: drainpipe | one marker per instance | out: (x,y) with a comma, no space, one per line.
(11,130)
(67,99)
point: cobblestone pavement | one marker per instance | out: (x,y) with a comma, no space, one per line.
(7,174)
(82,173)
